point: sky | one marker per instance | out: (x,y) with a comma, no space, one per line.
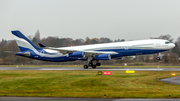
(115,19)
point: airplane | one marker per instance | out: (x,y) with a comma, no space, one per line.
(90,53)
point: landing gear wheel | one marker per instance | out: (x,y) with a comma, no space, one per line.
(98,64)
(158,58)
(85,66)
(93,66)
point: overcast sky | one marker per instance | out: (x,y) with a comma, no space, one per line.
(115,19)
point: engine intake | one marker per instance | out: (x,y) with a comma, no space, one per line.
(160,57)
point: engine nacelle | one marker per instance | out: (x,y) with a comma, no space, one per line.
(160,57)
(120,58)
(103,57)
(76,54)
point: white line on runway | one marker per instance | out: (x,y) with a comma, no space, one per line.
(103,69)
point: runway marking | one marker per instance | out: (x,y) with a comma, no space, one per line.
(103,69)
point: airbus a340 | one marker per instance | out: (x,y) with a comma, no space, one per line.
(90,53)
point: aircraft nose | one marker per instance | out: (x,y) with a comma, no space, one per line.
(173,45)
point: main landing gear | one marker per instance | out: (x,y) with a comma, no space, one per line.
(93,66)
(90,63)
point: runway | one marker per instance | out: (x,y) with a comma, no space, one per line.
(97,69)
(77,99)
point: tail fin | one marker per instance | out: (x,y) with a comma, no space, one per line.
(23,42)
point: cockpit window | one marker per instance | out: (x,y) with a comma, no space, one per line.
(167,42)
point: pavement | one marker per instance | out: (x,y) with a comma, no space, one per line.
(76,99)
(97,69)
(172,80)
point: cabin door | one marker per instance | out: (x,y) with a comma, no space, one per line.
(126,46)
(158,44)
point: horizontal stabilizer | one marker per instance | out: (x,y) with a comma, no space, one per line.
(41,45)
(9,52)
(23,53)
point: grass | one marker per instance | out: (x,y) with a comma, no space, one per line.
(145,66)
(142,84)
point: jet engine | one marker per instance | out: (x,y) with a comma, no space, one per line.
(159,57)
(76,54)
(103,57)
(120,58)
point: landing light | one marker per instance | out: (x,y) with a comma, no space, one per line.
(173,74)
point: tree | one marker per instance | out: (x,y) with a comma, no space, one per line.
(36,37)
(88,41)
(119,40)
(34,40)
(122,40)
(94,41)
(178,42)
(165,37)
(78,42)
(176,50)
(105,40)
(173,58)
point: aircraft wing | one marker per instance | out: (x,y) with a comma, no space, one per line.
(70,50)
(63,51)
(66,51)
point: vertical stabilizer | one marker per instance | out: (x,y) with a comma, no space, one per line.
(23,42)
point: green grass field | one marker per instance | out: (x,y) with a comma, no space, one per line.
(142,84)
